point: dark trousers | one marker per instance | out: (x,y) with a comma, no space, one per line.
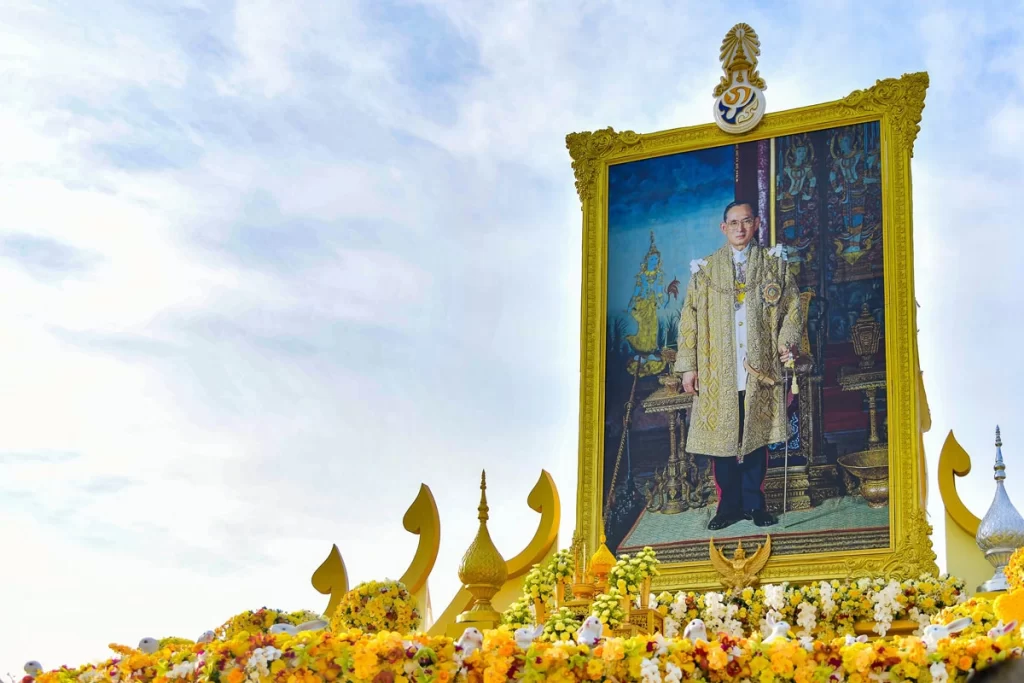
(740,483)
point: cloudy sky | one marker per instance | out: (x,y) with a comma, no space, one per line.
(267,266)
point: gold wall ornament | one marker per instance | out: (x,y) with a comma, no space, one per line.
(741,571)
(423,520)
(483,570)
(897,104)
(739,96)
(331,578)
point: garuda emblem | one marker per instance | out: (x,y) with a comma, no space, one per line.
(741,571)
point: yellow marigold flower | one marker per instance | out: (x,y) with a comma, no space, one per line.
(236,676)
(1010,607)
(964,663)
(717,659)
(595,668)
(613,650)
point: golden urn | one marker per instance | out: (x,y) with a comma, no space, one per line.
(871,469)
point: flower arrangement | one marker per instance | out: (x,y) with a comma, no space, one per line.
(539,584)
(979,609)
(311,657)
(562,566)
(625,576)
(1015,570)
(646,562)
(825,609)
(377,606)
(520,613)
(608,608)
(259,621)
(561,626)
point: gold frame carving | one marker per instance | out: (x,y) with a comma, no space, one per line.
(897,103)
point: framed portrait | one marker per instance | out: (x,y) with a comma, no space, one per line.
(749,360)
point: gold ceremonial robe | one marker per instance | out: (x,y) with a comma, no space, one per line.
(707,345)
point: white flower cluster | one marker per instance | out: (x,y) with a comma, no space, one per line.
(258,665)
(775,601)
(719,616)
(828,602)
(886,606)
(806,618)
(922,620)
(183,670)
(939,672)
(649,671)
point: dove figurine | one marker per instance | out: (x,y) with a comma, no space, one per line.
(470,641)
(292,630)
(207,637)
(780,631)
(590,632)
(933,633)
(149,646)
(1002,629)
(524,637)
(850,640)
(33,668)
(696,630)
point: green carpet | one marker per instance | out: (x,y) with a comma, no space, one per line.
(837,514)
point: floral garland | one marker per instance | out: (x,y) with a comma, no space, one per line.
(824,610)
(256,621)
(312,657)
(377,606)
(608,608)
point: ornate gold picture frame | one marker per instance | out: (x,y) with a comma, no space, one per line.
(893,107)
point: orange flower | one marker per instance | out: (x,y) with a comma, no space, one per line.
(965,663)
(717,659)
(236,676)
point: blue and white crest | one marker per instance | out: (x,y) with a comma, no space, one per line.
(739,97)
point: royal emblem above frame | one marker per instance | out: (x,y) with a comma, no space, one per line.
(831,184)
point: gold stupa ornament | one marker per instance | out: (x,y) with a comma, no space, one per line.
(483,570)
(601,565)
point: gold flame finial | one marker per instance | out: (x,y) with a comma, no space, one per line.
(483,570)
(601,564)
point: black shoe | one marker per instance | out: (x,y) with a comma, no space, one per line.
(722,520)
(761,517)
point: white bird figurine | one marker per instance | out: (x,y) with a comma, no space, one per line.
(149,646)
(779,631)
(933,633)
(696,630)
(524,637)
(207,637)
(292,630)
(1001,629)
(470,641)
(850,640)
(590,632)
(33,668)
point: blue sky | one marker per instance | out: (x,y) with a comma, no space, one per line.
(268,266)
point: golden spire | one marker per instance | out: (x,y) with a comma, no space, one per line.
(601,564)
(483,570)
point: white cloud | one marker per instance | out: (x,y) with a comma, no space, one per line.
(316,257)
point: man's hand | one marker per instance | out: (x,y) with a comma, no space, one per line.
(690,383)
(786,355)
